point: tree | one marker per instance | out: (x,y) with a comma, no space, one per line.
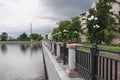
(67,30)
(108,34)
(36,36)
(23,37)
(105,21)
(4,36)
(75,29)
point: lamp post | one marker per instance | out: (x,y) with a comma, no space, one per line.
(65,34)
(94,48)
(95,26)
(59,34)
(75,32)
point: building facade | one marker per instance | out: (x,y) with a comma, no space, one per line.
(83,18)
(48,34)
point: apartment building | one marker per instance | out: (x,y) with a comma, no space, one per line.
(83,18)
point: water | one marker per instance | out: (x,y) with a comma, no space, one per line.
(21,62)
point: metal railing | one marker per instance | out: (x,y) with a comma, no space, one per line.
(93,63)
(55,49)
(64,54)
(108,65)
(98,64)
(63,51)
(83,63)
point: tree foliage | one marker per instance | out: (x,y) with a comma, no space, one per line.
(105,21)
(67,30)
(23,37)
(36,36)
(4,36)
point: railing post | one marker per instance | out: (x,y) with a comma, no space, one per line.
(71,61)
(94,61)
(58,51)
(53,48)
(50,47)
(64,45)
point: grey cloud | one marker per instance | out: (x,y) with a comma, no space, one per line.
(44,15)
(68,7)
(53,18)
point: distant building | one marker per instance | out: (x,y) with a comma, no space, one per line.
(48,34)
(83,18)
(11,38)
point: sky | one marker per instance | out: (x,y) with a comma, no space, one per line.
(17,15)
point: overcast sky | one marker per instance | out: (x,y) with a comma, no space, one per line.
(16,15)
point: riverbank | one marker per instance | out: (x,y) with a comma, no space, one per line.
(15,42)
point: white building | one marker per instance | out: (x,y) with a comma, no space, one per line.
(49,35)
(83,18)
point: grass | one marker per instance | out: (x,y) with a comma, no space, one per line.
(110,47)
(105,47)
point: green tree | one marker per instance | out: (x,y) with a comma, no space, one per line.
(108,34)
(36,36)
(4,36)
(67,30)
(105,21)
(57,34)
(75,29)
(23,37)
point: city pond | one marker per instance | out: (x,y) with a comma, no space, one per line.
(21,62)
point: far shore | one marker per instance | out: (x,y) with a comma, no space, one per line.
(15,42)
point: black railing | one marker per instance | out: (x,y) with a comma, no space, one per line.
(83,64)
(93,63)
(64,54)
(98,64)
(55,49)
(108,65)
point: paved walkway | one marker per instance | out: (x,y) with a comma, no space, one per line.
(65,67)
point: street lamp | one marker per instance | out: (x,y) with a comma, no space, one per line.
(75,32)
(65,33)
(65,36)
(95,26)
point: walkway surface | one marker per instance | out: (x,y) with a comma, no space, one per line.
(65,67)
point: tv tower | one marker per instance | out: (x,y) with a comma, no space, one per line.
(31,31)
(30,28)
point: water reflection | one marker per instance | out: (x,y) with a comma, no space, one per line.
(24,47)
(35,46)
(17,64)
(3,48)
